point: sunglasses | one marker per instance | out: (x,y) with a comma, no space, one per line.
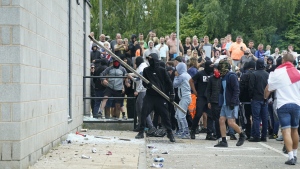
(92,67)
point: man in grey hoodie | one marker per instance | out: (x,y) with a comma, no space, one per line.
(181,81)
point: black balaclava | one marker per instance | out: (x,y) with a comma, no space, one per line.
(139,61)
(251,65)
(260,64)
(154,60)
(208,68)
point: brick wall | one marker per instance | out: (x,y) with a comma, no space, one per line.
(34,77)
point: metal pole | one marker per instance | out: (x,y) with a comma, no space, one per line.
(177,26)
(100,17)
(137,74)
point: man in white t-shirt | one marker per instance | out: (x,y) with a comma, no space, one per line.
(163,49)
(285,80)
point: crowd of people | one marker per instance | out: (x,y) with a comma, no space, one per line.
(225,88)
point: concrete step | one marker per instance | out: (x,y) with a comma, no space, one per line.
(108,124)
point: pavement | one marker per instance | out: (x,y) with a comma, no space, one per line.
(129,153)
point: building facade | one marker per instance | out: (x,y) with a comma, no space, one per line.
(42,49)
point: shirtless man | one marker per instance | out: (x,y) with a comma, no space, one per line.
(172,43)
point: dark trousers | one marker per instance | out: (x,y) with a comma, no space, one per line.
(201,106)
(130,106)
(93,102)
(215,112)
(274,122)
(248,113)
(99,93)
(160,106)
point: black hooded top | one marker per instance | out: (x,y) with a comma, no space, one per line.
(158,76)
(270,67)
(258,81)
(103,65)
(133,47)
(95,55)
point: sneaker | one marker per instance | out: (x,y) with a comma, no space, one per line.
(263,139)
(232,137)
(290,162)
(210,137)
(140,135)
(221,144)
(241,140)
(171,137)
(254,139)
(124,117)
(280,138)
(193,134)
(274,136)
(185,136)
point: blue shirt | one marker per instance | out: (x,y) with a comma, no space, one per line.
(224,87)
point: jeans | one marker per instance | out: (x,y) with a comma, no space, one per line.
(289,116)
(259,114)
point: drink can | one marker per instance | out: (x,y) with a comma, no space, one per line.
(159,159)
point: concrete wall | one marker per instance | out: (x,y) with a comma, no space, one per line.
(34,75)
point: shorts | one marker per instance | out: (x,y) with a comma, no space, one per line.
(229,114)
(113,93)
(288,115)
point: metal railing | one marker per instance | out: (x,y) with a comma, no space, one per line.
(134,106)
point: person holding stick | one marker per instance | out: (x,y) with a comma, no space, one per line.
(158,77)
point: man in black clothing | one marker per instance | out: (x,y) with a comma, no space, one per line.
(249,67)
(95,55)
(213,91)
(201,79)
(99,88)
(159,77)
(257,84)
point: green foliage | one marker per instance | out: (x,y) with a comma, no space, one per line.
(191,23)
(274,22)
(293,32)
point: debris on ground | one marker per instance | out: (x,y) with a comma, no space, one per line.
(124,139)
(84,130)
(166,152)
(159,159)
(94,150)
(109,153)
(85,157)
(77,133)
(157,165)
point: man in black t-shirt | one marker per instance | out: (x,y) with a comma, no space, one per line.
(201,79)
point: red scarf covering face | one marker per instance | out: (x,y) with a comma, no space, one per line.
(292,72)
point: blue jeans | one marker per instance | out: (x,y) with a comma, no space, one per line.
(274,122)
(288,115)
(259,114)
(98,93)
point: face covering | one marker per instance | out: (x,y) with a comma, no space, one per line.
(217,74)
(223,68)
(208,67)
(116,64)
(151,62)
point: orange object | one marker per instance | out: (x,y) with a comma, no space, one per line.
(192,106)
(138,53)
